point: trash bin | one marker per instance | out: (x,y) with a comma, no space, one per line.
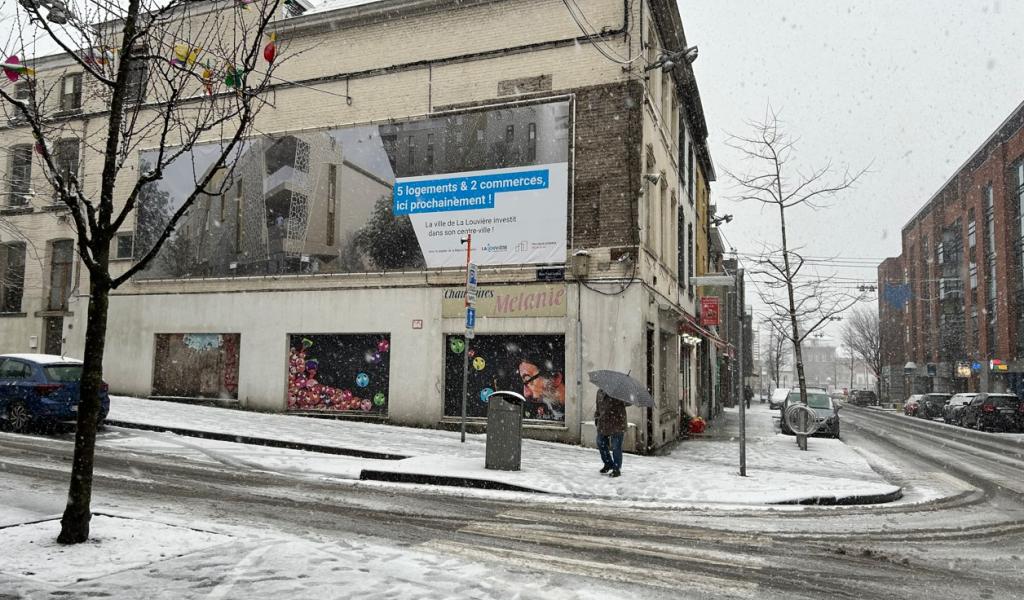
(504,431)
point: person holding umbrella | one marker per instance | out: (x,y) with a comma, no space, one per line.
(610,418)
(615,391)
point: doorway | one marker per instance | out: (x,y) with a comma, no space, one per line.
(649,411)
(53,335)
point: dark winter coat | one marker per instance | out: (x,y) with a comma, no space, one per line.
(610,414)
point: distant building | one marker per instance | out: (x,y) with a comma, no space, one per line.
(831,368)
(953,301)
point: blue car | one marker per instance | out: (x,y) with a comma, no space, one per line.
(41,389)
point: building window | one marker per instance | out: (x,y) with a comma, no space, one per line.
(972,271)
(690,187)
(651,204)
(71,92)
(990,264)
(19,188)
(990,230)
(689,253)
(125,245)
(669,204)
(61,257)
(430,152)
(26,91)
(510,134)
(67,163)
(411,145)
(531,142)
(674,121)
(683,254)
(12,276)
(971,229)
(332,199)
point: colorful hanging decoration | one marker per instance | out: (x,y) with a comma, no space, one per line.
(270,50)
(99,56)
(235,78)
(207,79)
(185,56)
(14,70)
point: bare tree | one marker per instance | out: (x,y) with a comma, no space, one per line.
(771,179)
(862,338)
(164,75)
(777,356)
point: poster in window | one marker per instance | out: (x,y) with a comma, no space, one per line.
(533,365)
(196,365)
(394,196)
(339,372)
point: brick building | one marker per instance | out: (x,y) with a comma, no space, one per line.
(302,288)
(953,301)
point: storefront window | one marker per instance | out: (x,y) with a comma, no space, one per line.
(339,372)
(196,365)
(532,365)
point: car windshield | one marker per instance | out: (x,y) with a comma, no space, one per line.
(1004,400)
(819,401)
(63,373)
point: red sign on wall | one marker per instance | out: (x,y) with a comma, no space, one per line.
(709,310)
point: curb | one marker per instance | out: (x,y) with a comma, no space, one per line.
(467,482)
(257,441)
(443,480)
(848,500)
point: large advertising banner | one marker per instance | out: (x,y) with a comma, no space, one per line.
(533,365)
(196,365)
(339,372)
(394,196)
(516,216)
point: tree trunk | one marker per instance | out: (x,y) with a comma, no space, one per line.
(77,513)
(795,327)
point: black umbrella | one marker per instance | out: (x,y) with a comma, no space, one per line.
(621,386)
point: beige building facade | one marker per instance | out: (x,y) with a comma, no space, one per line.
(303,287)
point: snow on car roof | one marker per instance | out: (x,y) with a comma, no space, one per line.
(44,359)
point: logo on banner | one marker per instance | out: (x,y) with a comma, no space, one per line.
(710,310)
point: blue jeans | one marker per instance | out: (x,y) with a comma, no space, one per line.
(612,457)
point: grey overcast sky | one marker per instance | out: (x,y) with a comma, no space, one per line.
(910,87)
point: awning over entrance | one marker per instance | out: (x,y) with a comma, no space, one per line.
(689,325)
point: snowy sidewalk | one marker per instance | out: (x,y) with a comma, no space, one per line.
(698,471)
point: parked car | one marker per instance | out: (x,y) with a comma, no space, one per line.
(911,404)
(824,407)
(778,398)
(863,398)
(931,405)
(995,412)
(953,411)
(41,389)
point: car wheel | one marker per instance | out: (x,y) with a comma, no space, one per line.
(18,417)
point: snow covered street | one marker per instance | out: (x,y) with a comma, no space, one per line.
(184,517)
